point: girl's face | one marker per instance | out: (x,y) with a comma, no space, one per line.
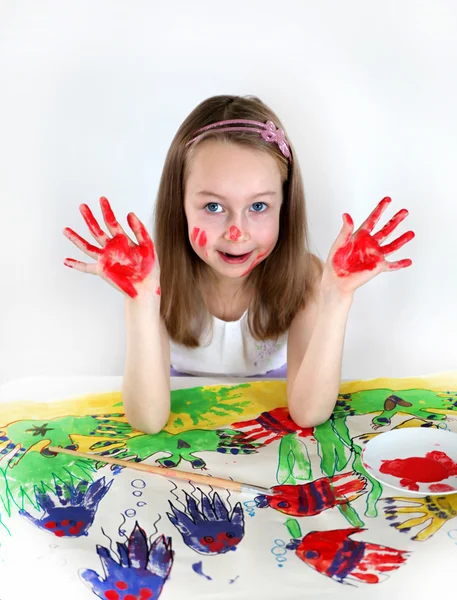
(232,202)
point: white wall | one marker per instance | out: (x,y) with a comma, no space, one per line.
(92,92)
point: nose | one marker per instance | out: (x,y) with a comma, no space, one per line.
(235,234)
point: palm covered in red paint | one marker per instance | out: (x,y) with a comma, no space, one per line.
(356,257)
(120,261)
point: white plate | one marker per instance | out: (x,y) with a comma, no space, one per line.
(411,445)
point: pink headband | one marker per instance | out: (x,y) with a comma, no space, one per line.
(267,130)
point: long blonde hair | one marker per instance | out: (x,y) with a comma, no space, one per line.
(282,283)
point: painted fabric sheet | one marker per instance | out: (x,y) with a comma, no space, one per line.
(80,529)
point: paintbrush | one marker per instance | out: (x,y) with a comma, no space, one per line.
(218,482)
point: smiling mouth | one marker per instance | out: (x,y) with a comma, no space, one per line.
(234,258)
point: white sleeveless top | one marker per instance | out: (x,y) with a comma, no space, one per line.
(230,350)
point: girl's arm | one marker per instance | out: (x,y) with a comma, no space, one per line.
(314,357)
(132,267)
(146,385)
(316,335)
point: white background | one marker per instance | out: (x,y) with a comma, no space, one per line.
(92,92)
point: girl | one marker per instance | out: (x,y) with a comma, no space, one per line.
(238,292)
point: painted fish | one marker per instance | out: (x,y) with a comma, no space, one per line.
(71,511)
(270,426)
(334,554)
(137,571)
(312,498)
(209,527)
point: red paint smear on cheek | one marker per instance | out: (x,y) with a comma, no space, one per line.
(195,232)
(235,233)
(435,466)
(255,263)
(202,240)
(199,235)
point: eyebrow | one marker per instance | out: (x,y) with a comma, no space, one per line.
(214,195)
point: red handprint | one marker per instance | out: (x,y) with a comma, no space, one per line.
(120,261)
(361,253)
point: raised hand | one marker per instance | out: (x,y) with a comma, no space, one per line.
(356,257)
(120,261)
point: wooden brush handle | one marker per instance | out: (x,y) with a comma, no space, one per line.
(218,482)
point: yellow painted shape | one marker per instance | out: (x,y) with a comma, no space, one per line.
(261,396)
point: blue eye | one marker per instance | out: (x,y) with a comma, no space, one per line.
(212,207)
(259,206)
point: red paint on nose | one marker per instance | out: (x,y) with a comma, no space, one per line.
(235,233)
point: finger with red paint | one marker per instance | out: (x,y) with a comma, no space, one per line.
(398,243)
(398,264)
(384,233)
(82,244)
(81,266)
(372,219)
(140,232)
(110,220)
(345,234)
(395,244)
(97,233)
